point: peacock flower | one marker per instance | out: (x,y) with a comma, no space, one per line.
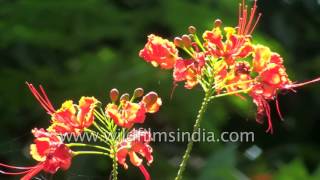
(227,62)
(229,45)
(271,79)
(237,43)
(136,146)
(127,113)
(70,118)
(188,71)
(50,152)
(159,52)
(234,47)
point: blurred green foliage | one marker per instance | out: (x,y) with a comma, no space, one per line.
(87,47)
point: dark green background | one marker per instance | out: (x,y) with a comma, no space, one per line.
(87,47)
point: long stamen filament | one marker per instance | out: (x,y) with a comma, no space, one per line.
(301,84)
(44,101)
(14,173)
(16,167)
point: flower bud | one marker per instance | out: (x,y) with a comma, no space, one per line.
(178,42)
(150,98)
(217,23)
(138,92)
(186,40)
(125,97)
(114,94)
(192,29)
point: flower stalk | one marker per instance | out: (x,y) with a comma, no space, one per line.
(196,126)
(89,153)
(114,167)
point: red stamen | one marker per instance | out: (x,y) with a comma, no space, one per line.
(33,172)
(245,16)
(267,110)
(243,20)
(16,167)
(144,172)
(239,21)
(45,95)
(255,24)
(174,85)
(278,109)
(15,173)
(246,28)
(252,13)
(290,86)
(42,99)
(243,7)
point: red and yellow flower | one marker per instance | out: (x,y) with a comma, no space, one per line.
(127,113)
(188,71)
(159,52)
(136,146)
(234,47)
(271,78)
(70,118)
(50,152)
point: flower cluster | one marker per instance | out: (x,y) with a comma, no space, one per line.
(48,148)
(125,113)
(224,62)
(53,154)
(70,118)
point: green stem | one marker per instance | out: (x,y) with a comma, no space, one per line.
(87,145)
(114,167)
(90,153)
(114,159)
(198,42)
(100,118)
(100,129)
(196,126)
(187,51)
